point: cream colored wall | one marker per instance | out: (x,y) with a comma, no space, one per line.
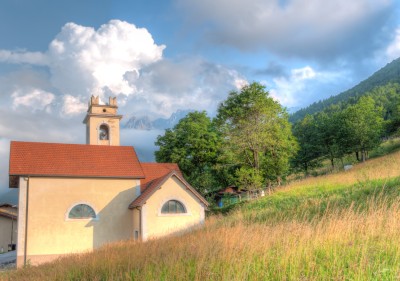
(94,124)
(50,232)
(7,226)
(99,109)
(136,221)
(22,194)
(156,224)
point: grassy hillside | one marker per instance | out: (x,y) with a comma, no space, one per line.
(388,74)
(342,226)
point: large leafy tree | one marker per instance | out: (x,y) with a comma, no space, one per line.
(256,135)
(310,152)
(365,124)
(192,144)
(331,134)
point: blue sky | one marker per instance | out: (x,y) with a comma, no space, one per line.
(161,56)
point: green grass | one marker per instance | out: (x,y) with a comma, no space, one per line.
(386,147)
(311,202)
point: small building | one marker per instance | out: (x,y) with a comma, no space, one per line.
(230,195)
(77,197)
(8,227)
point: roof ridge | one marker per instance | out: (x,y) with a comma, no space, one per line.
(151,189)
(73,160)
(69,144)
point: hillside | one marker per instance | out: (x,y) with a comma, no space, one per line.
(343,226)
(388,74)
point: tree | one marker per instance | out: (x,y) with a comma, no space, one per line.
(256,134)
(365,124)
(192,144)
(331,135)
(310,152)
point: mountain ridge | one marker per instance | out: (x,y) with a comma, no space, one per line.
(145,122)
(390,73)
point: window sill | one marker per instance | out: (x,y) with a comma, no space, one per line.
(175,215)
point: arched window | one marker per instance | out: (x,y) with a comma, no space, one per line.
(82,211)
(103,132)
(173,207)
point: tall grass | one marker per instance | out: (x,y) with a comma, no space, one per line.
(346,244)
(378,168)
(338,227)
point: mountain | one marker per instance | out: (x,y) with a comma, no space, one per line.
(387,74)
(145,123)
(139,123)
(162,123)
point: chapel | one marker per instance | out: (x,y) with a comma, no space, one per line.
(74,198)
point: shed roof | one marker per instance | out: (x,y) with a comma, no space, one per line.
(8,211)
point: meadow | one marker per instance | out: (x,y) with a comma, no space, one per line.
(341,226)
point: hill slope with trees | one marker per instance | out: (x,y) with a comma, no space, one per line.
(388,74)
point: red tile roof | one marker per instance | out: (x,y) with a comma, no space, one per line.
(151,186)
(73,160)
(153,171)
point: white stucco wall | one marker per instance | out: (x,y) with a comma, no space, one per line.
(156,224)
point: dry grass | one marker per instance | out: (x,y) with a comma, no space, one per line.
(338,227)
(345,245)
(378,168)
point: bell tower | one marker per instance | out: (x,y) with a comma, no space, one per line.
(102,122)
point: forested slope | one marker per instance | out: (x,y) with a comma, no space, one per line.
(388,74)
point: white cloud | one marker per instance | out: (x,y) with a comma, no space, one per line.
(23,57)
(73,106)
(240,82)
(286,89)
(84,60)
(190,83)
(35,99)
(393,50)
(123,60)
(298,89)
(303,73)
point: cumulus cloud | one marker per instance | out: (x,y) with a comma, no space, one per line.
(298,89)
(304,73)
(121,59)
(83,61)
(190,83)
(73,105)
(303,28)
(35,99)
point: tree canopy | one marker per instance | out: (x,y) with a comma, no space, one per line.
(193,144)
(256,131)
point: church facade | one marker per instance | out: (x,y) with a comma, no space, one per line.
(77,197)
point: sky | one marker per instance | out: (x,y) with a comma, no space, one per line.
(158,57)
